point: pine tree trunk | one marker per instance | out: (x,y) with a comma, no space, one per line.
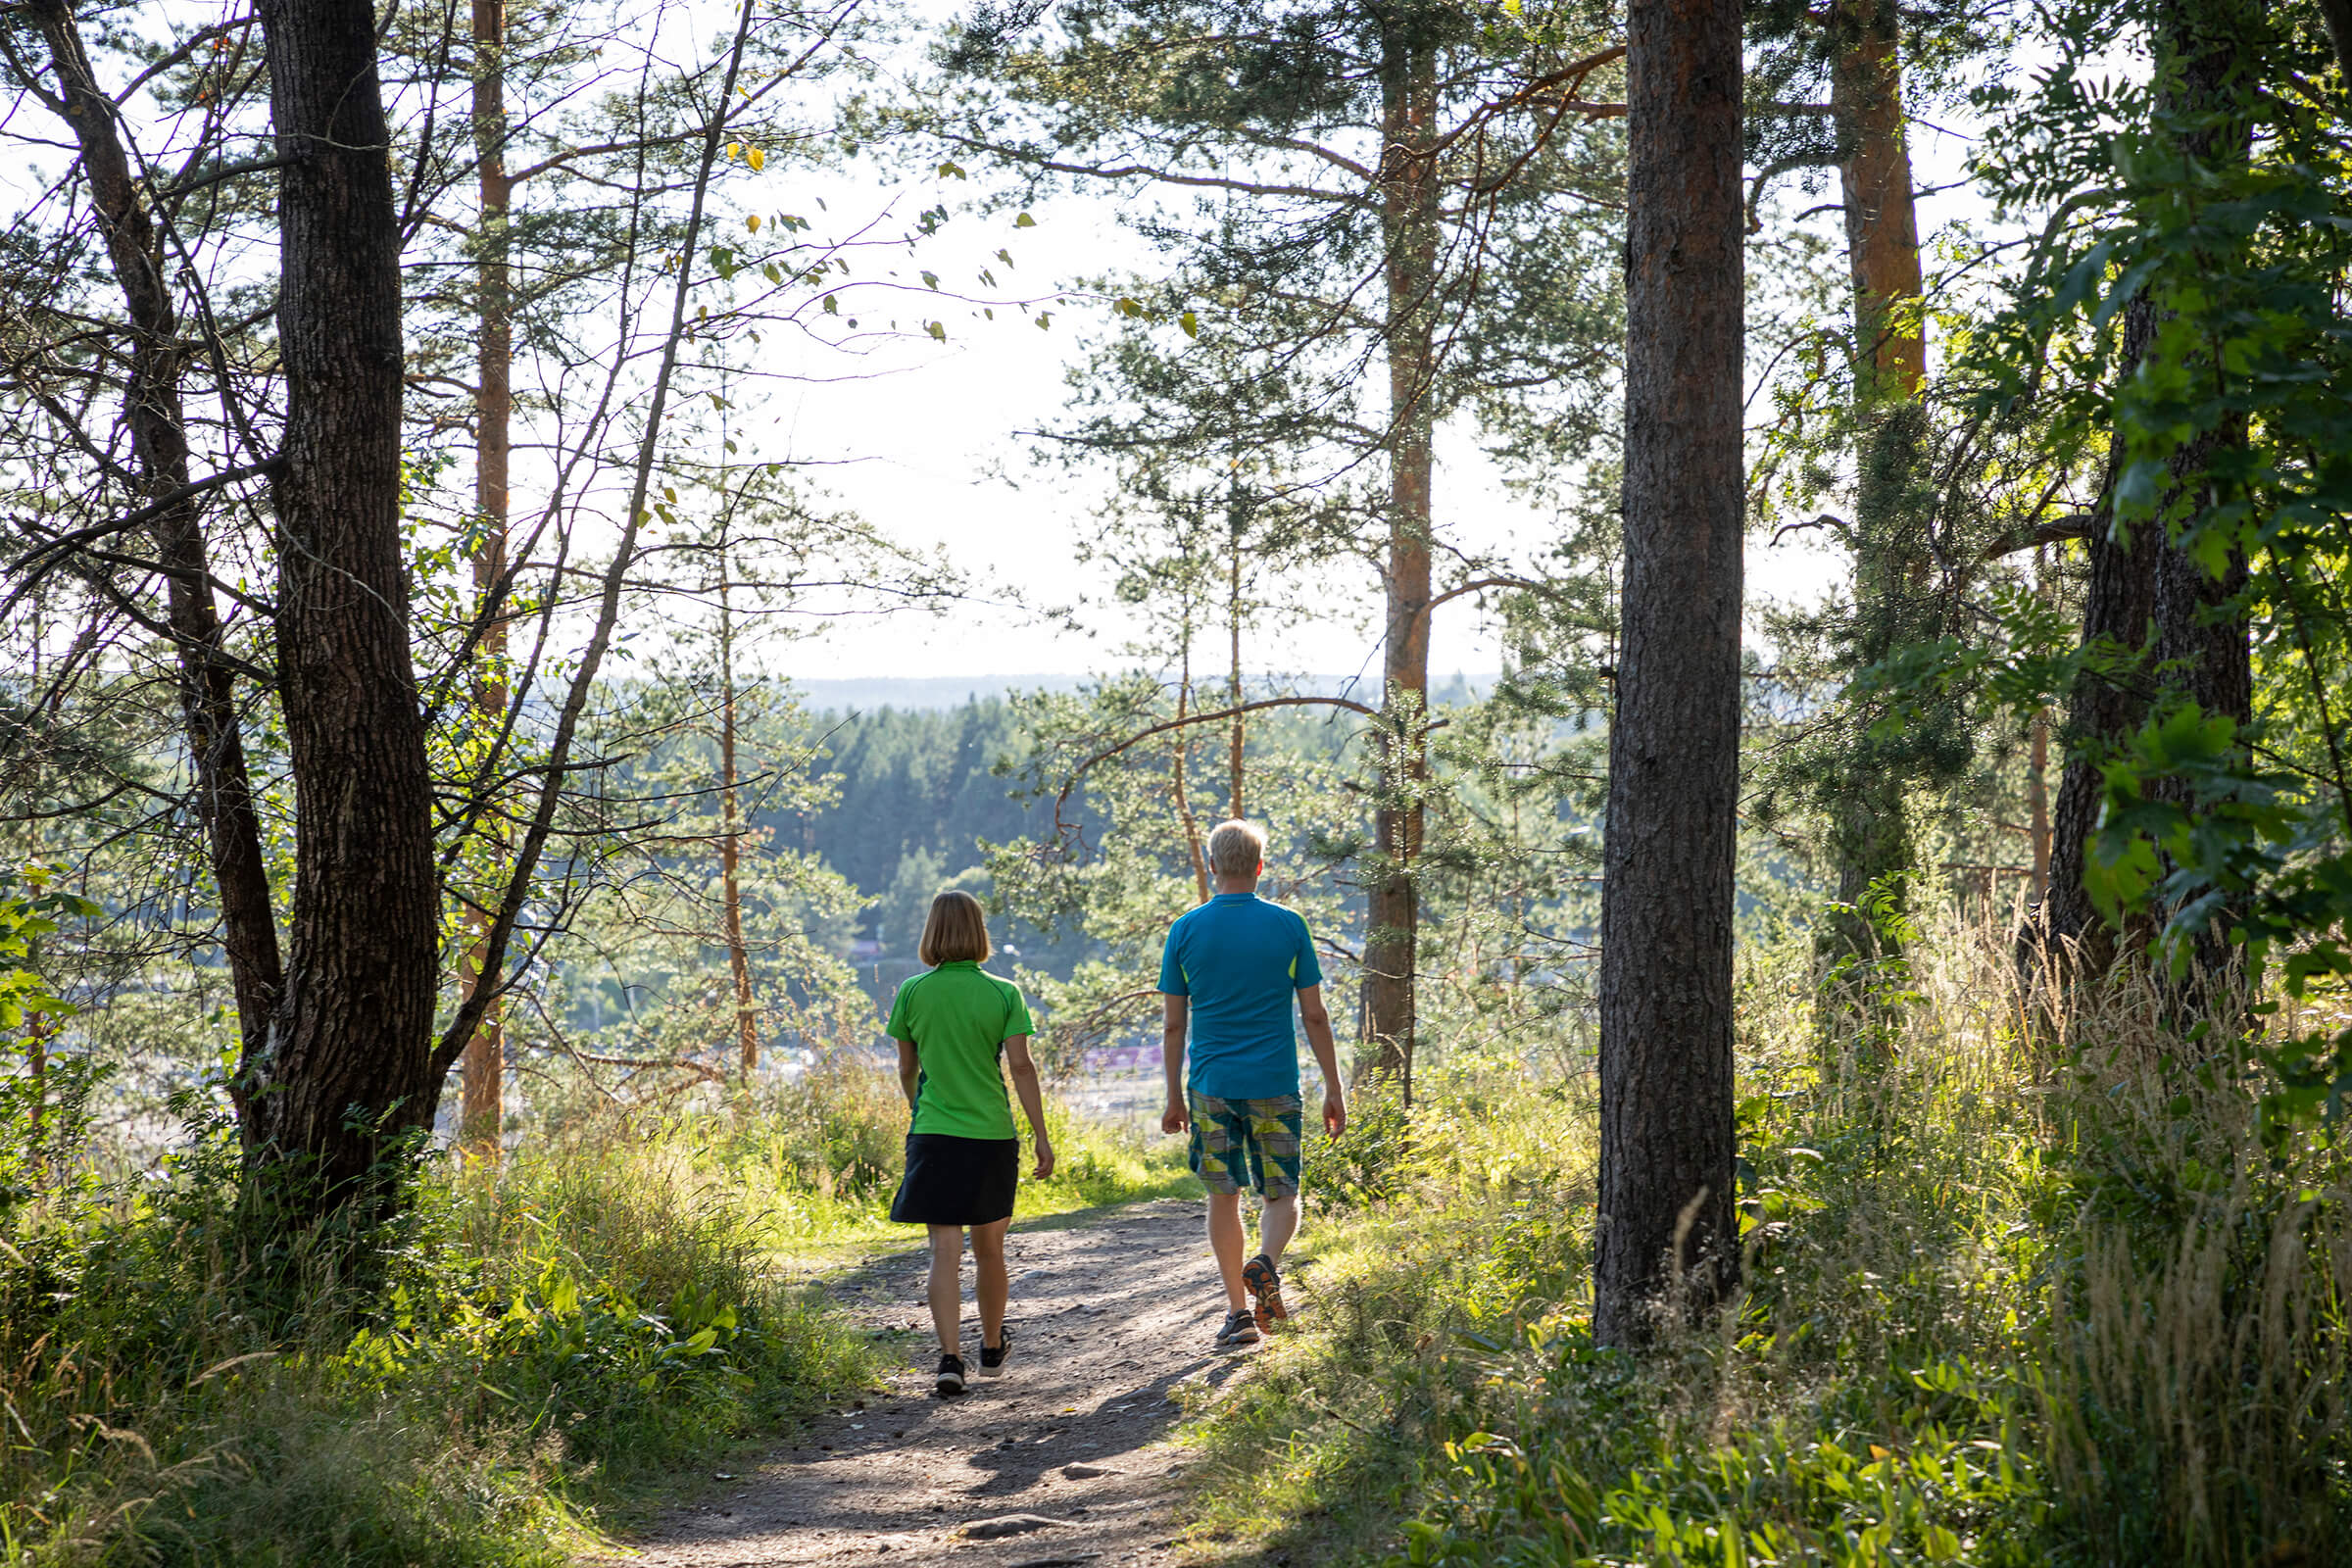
(1233,685)
(1408,189)
(156,417)
(1881,224)
(346,1074)
(2151,589)
(482,1067)
(730,842)
(2201,621)
(1181,751)
(1871,831)
(2118,601)
(1666,1223)
(2038,805)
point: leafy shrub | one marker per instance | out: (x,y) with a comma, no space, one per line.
(551,1336)
(1366,1166)
(2019,1288)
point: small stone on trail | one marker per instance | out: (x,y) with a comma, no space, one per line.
(1011,1524)
(1086,1471)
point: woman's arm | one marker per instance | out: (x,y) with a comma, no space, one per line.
(1032,1101)
(911,1070)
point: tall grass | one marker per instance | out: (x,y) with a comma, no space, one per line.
(2023,1285)
(540,1347)
(589,1315)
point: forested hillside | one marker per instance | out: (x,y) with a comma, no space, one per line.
(1839,1046)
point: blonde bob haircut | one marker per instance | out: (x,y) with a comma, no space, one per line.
(1236,848)
(956,933)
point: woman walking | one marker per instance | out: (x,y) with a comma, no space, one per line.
(953,1022)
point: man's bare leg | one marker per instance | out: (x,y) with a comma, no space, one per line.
(992,1285)
(947,1285)
(1277,1223)
(1225,1240)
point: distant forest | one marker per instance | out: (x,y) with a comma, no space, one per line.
(919,795)
(922,789)
(920,792)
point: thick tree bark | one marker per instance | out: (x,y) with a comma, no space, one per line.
(482,1067)
(2117,603)
(154,410)
(1881,224)
(1408,193)
(2151,590)
(2201,621)
(347,1069)
(2337,14)
(1666,1222)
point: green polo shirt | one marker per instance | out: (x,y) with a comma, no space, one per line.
(959,1019)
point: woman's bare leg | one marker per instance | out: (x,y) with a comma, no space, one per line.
(947,1285)
(993,1286)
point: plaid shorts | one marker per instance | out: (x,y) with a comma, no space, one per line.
(1259,1135)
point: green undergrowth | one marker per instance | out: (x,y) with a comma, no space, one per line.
(825,1155)
(548,1349)
(2021,1288)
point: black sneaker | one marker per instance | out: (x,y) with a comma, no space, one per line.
(1241,1328)
(951,1375)
(992,1356)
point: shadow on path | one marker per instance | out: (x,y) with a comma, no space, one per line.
(1112,1310)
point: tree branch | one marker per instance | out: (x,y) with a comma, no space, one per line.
(1525,584)
(1141,735)
(2078,526)
(1825,521)
(67,542)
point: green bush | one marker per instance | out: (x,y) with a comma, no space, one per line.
(1366,1164)
(2019,1288)
(547,1338)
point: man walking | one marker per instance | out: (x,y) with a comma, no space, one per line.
(1231,969)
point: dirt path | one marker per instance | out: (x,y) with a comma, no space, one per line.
(1064,1454)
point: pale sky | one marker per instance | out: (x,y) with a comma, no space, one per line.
(919,450)
(921,439)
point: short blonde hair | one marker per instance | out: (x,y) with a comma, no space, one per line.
(956,931)
(1236,848)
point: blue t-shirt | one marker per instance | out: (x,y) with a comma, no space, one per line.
(1241,960)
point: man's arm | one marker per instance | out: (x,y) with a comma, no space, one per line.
(1317,1020)
(1174,1011)
(911,1070)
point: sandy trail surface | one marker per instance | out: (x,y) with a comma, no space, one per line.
(1063,1460)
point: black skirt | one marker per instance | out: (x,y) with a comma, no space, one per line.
(957,1181)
